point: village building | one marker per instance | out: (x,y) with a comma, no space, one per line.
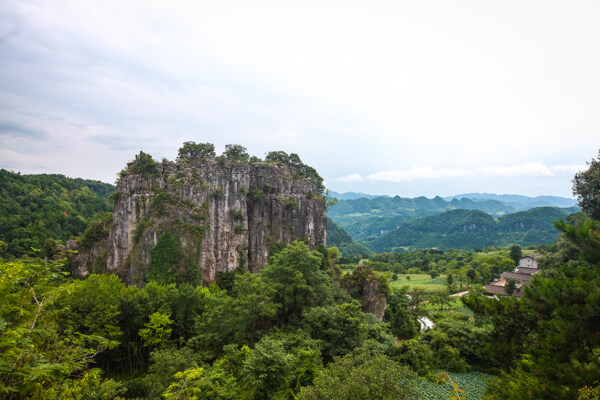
(528,267)
(530,261)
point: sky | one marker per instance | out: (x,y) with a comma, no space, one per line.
(409,98)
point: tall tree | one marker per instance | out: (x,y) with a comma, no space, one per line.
(510,286)
(586,186)
(196,151)
(236,152)
(515,253)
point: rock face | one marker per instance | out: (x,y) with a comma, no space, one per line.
(224,215)
(368,285)
(375,302)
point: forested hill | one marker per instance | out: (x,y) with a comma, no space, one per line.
(519,201)
(338,237)
(367,218)
(471,229)
(35,208)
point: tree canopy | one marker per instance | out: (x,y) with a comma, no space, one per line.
(196,151)
(586,186)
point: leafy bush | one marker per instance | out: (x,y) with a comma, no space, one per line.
(144,165)
(162,257)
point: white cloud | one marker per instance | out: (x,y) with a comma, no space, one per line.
(416,173)
(572,168)
(301,78)
(530,169)
(351,178)
(526,169)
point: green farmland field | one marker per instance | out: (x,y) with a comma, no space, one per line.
(472,383)
(421,281)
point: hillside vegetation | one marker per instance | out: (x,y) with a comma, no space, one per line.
(37,210)
(337,237)
(307,326)
(367,218)
(472,229)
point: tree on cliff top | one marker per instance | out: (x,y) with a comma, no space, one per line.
(196,151)
(586,185)
(293,160)
(236,152)
(143,164)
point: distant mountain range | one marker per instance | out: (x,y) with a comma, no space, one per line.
(472,229)
(539,201)
(385,223)
(517,199)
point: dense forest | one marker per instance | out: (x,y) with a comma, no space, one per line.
(396,223)
(43,211)
(307,326)
(472,229)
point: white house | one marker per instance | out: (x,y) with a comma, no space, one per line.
(529,261)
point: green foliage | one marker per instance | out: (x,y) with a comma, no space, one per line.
(239,229)
(548,338)
(289,201)
(257,194)
(34,208)
(196,151)
(267,368)
(237,215)
(254,306)
(89,387)
(337,237)
(474,385)
(238,319)
(510,286)
(97,231)
(516,253)
(140,228)
(218,191)
(362,374)
(458,332)
(160,201)
(236,152)
(461,267)
(459,229)
(403,321)
(441,298)
(91,306)
(157,331)
(300,282)
(162,258)
(200,383)
(511,324)
(414,353)
(216,326)
(366,219)
(164,365)
(36,357)
(144,165)
(586,186)
(302,170)
(341,328)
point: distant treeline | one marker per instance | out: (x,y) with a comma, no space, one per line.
(43,211)
(366,219)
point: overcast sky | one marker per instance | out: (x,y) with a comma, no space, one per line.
(431,97)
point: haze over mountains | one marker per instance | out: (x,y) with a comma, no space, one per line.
(539,201)
(384,223)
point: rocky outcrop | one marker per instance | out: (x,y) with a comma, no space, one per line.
(223,215)
(370,287)
(375,302)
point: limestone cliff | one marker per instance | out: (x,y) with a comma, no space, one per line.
(370,287)
(209,216)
